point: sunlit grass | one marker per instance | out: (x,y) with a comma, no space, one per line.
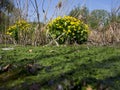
(61,65)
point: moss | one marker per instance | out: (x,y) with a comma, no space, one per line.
(66,66)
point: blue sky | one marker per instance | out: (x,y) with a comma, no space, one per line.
(67,5)
(99,4)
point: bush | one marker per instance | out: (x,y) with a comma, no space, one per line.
(68,29)
(19,29)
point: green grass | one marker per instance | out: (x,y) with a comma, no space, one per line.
(72,67)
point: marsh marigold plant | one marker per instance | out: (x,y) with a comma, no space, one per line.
(18,29)
(71,29)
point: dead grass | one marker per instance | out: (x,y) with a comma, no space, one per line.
(106,36)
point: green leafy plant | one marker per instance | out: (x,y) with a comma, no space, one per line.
(19,29)
(68,29)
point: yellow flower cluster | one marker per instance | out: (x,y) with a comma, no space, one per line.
(70,26)
(23,25)
(19,25)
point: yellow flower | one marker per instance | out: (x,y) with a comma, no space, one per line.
(57,24)
(69,31)
(72,23)
(86,26)
(58,18)
(64,30)
(69,27)
(60,26)
(9,33)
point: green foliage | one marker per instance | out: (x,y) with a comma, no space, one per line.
(80,11)
(75,12)
(69,29)
(6,7)
(98,17)
(95,19)
(19,29)
(67,66)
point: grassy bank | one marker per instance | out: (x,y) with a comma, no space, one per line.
(67,67)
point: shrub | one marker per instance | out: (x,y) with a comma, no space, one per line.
(68,29)
(19,29)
